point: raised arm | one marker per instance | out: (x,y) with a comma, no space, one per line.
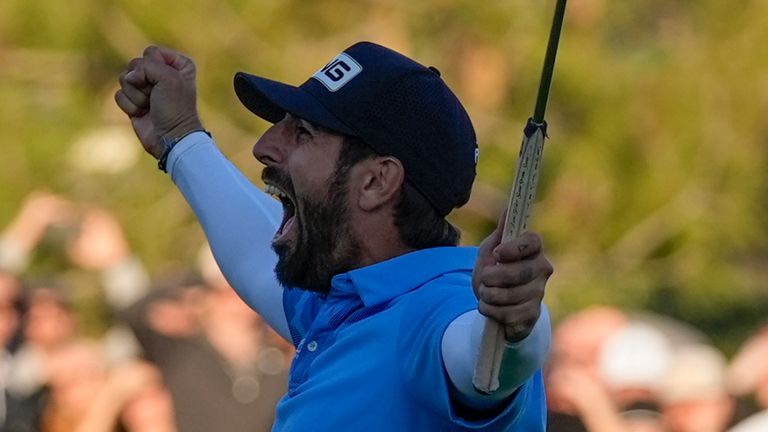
(239,221)
(158,93)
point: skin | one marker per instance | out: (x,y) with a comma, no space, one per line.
(708,414)
(158,93)
(333,215)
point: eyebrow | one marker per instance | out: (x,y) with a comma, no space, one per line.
(312,127)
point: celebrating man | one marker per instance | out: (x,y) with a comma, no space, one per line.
(364,275)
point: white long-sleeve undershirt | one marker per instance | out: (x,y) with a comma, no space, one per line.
(240,220)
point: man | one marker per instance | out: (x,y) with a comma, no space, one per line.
(367,157)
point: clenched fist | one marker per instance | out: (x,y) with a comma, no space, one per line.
(158,93)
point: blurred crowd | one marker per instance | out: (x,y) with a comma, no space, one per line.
(180,353)
(618,371)
(184,353)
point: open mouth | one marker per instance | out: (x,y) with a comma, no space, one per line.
(289,209)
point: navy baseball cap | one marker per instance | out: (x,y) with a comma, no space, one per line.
(395,105)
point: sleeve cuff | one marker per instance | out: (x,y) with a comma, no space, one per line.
(186,144)
(521,359)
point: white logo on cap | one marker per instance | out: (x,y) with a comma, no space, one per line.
(338,72)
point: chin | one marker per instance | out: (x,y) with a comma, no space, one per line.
(294,270)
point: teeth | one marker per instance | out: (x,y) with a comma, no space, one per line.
(273,190)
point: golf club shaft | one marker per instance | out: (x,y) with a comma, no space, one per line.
(488,366)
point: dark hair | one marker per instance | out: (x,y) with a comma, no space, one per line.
(418,223)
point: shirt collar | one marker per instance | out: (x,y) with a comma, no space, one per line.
(383,281)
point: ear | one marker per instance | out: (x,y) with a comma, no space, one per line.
(381,180)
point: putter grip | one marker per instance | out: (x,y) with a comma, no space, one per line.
(487,368)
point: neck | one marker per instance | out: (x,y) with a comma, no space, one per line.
(379,240)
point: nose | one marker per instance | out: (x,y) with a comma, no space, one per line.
(271,147)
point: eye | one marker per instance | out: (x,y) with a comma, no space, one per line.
(301,130)
(303,135)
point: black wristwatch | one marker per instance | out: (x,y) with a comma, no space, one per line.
(169,143)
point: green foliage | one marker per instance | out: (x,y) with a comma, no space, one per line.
(654,187)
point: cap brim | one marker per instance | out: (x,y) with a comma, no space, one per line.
(271,100)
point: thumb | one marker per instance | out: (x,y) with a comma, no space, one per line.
(485,257)
(494,239)
(170,57)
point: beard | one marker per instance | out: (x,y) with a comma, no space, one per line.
(325,244)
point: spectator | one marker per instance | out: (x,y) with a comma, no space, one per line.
(748,375)
(588,404)
(186,327)
(48,324)
(10,315)
(633,362)
(576,345)
(186,331)
(38,213)
(605,372)
(86,395)
(215,354)
(693,392)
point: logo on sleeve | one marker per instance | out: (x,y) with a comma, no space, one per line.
(338,72)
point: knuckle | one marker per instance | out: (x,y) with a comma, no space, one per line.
(514,317)
(536,240)
(483,308)
(529,321)
(487,295)
(489,276)
(149,50)
(550,268)
(526,275)
(507,251)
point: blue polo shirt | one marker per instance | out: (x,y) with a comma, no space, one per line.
(368,354)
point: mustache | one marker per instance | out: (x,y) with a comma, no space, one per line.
(279,178)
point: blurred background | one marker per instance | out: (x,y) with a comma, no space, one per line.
(653,197)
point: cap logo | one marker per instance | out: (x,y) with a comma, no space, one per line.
(338,72)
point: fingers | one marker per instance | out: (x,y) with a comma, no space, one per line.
(134,75)
(133,95)
(526,245)
(128,107)
(162,61)
(136,96)
(494,296)
(516,273)
(170,57)
(511,293)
